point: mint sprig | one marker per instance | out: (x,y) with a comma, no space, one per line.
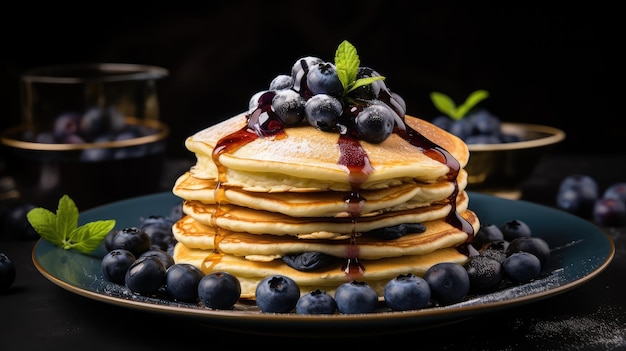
(347,63)
(61,229)
(447,106)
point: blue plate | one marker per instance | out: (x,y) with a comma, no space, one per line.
(580,251)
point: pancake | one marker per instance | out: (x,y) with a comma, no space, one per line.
(377,272)
(243,219)
(264,247)
(306,158)
(320,203)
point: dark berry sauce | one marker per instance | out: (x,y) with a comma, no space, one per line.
(263,122)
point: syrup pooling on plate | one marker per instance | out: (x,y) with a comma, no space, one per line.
(263,122)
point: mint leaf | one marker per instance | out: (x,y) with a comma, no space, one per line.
(61,229)
(446,106)
(347,63)
(44,223)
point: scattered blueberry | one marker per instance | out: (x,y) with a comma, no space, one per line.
(316,302)
(161,255)
(356,297)
(132,239)
(521,267)
(7,272)
(514,229)
(145,276)
(182,280)
(115,264)
(609,212)
(448,281)
(219,290)
(277,294)
(577,194)
(534,245)
(485,273)
(407,292)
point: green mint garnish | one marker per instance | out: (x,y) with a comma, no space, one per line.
(61,229)
(446,106)
(347,63)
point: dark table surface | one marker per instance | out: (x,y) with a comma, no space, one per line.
(36,314)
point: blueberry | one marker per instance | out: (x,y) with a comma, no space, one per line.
(219,290)
(533,245)
(316,302)
(132,239)
(484,122)
(65,125)
(7,272)
(323,79)
(159,229)
(461,128)
(616,191)
(609,212)
(161,255)
(300,70)
(16,224)
(368,91)
(277,294)
(486,234)
(281,82)
(254,102)
(407,292)
(322,111)
(448,281)
(396,231)
(289,107)
(521,267)
(375,123)
(115,264)
(308,261)
(496,250)
(577,194)
(514,229)
(145,276)
(182,280)
(356,297)
(485,273)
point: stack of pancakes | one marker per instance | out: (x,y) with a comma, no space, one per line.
(254,204)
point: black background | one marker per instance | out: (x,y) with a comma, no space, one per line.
(546,64)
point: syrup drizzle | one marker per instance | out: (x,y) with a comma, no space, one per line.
(263,122)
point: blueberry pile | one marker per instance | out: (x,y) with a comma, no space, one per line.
(477,127)
(580,194)
(361,106)
(95,125)
(499,256)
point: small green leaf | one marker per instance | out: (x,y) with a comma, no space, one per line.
(471,101)
(86,238)
(44,223)
(364,81)
(444,104)
(67,216)
(61,229)
(447,106)
(347,63)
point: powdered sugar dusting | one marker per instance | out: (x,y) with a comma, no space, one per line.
(604,329)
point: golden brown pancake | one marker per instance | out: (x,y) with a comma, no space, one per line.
(377,272)
(320,203)
(306,159)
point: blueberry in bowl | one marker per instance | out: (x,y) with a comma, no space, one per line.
(502,154)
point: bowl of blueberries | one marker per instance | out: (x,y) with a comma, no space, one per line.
(502,154)
(90,131)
